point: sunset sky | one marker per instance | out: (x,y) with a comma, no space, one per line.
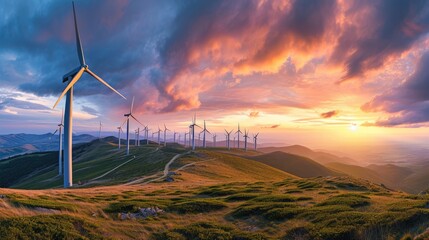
(309,72)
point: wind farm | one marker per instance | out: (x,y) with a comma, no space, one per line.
(217,120)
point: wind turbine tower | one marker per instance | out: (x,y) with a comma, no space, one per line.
(192,128)
(128,115)
(238,136)
(228,138)
(255,139)
(246,136)
(60,145)
(165,135)
(99,132)
(72,77)
(204,134)
(214,140)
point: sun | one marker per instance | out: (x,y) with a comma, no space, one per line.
(353,127)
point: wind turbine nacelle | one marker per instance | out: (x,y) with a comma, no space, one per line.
(70,75)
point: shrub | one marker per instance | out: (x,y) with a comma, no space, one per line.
(196,206)
(207,231)
(241,197)
(351,200)
(48,227)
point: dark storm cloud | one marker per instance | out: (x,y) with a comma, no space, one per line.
(408,103)
(329,114)
(377,30)
(117,38)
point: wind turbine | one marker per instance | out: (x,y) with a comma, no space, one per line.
(72,77)
(255,139)
(119,137)
(228,136)
(146,133)
(238,136)
(246,136)
(128,115)
(159,139)
(186,133)
(204,134)
(178,141)
(214,140)
(174,136)
(153,134)
(60,145)
(199,139)
(99,131)
(192,128)
(165,135)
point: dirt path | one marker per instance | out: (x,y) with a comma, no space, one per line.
(164,175)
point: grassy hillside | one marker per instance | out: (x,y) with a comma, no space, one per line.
(210,195)
(294,164)
(359,172)
(320,157)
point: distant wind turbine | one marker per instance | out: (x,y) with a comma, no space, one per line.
(72,77)
(214,140)
(159,136)
(146,133)
(246,136)
(255,139)
(192,128)
(165,135)
(60,145)
(119,135)
(204,134)
(174,136)
(128,115)
(238,136)
(186,133)
(228,136)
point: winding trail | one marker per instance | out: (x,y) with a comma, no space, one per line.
(164,175)
(120,165)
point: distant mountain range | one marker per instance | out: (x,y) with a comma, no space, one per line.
(17,144)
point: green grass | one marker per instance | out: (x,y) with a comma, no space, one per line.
(241,197)
(207,231)
(351,200)
(196,206)
(48,227)
(41,203)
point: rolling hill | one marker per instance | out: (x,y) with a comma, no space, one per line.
(294,164)
(320,157)
(16,144)
(359,172)
(206,194)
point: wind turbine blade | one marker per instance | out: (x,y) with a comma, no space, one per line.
(124,122)
(132,105)
(208,131)
(78,43)
(103,82)
(56,130)
(71,83)
(136,119)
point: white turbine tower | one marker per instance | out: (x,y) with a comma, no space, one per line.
(255,139)
(119,136)
(214,140)
(192,129)
(174,136)
(228,138)
(146,133)
(159,136)
(199,139)
(178,141)
(128,115)
(238,136)
(204,134)
(184,142)
(99,132)
(246,136)
(165,135)
(72,77)
(60,145)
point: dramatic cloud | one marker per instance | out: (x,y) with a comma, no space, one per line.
(15,103)
(408,103)
(329,114)
(375,31)
(272,126)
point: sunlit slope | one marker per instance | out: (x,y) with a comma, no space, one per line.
(97,158)
(359,172)
(294,164)
(217,166)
